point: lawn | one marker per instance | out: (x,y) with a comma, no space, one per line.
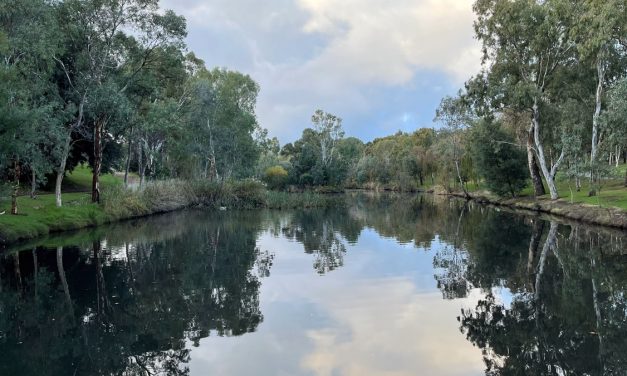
(40,216)
(80,179)
(613,192)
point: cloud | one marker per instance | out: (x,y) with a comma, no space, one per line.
(348,57)
(402,333)
(378,41)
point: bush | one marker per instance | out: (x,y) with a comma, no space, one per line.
(276,177)
(119,202)
(246,194)
(498,160)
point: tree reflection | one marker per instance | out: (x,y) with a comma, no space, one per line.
(320,232)
(553,297)
(130,310)
(571,320)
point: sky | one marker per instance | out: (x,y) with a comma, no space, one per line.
(381,65)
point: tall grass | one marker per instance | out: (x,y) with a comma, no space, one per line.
(169,195)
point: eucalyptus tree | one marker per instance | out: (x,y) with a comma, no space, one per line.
(27,43)
(456,116)
(329,129)
(614,120)
(103,55)
(223,123)
(158,97)
(526,44)
(601,34)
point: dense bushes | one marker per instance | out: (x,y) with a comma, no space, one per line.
(164,196)
(500,162)
(276,177)
(169,195)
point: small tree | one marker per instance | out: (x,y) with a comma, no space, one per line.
(456,116)
(275,177)
(498,160)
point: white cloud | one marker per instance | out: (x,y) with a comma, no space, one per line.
(386,327)
(337,55)
(386,42)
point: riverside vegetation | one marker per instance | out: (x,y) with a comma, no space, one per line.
(544,118)
(41,216)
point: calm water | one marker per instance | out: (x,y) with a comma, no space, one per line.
(388,285)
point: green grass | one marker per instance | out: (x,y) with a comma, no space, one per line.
(81,177)
(613,192)
(40,216)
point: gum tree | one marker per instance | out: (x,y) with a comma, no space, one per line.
(525,45)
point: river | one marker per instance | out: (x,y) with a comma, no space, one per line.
(386,285)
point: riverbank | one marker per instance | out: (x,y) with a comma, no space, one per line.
(591,214)
(40,216)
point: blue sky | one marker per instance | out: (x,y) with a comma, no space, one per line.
(381,65)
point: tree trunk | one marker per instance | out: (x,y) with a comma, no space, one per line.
(459,176)
(597,112)
(549,175)
(61,171)
(33,182)
(16,187)
(95,184)
(534,170)
(140,164)
(128,157)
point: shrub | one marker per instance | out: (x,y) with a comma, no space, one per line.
(499,161)
(276,177)
(119,202)
(245,194)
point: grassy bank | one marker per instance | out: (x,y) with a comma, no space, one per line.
(608,216)
(41,216)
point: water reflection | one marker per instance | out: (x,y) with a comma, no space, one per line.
(160,296)
(113,308)
(570,320)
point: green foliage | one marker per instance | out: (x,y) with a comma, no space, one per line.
(307,199)
(499,161)
(275,177)
(321,156)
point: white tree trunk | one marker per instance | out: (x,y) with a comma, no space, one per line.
(597,109)
(549,174)
(61,172)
